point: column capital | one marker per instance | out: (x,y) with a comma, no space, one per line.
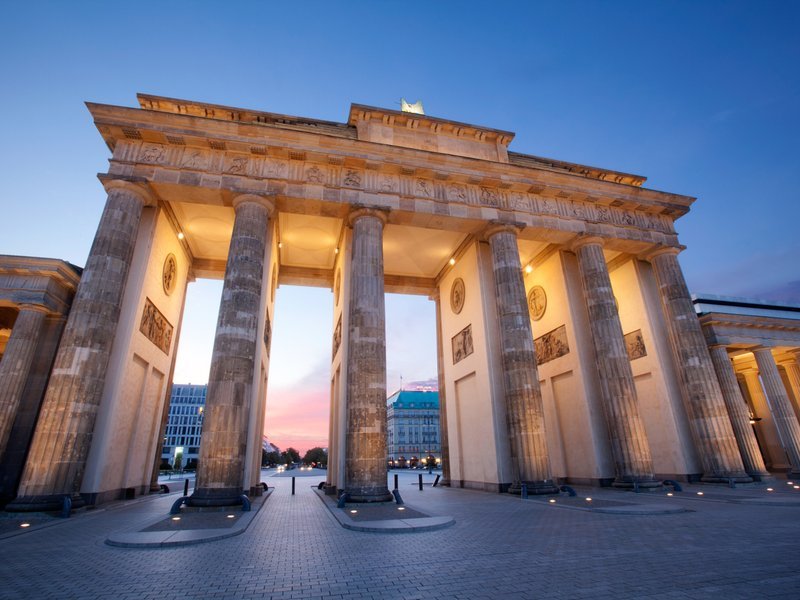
(495,227)
(585,240)
(140,190)
(661,251)
(33,307)
(267,203)
(382,214)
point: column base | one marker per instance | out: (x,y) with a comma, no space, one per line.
(216,497)
(363,494)
(630,482)
(726,478)
(537,488)
(44,503)
(761,476)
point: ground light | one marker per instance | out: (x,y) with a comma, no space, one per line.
(770,490)
(231,516)
(669,493)
(352,512)
(400,508)
(552,501)
(176,518)
(25,525)
(699,493)
(588,499)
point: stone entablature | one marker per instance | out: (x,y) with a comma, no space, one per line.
(742,324)
(215,157)
(46,282)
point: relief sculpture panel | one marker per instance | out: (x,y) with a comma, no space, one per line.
(462,344)
(551,345)
(155,326)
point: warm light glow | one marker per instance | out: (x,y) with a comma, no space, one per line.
(770,490)
(588,499)
(180,235)
(176,518)
(25,524)
(552,501)
(452,261)
(336,251)
(400,508)
(797,487)
(699,493)
(231,516)
(280,244)
(669,493)
(789,483)
(353,512)
(529,269)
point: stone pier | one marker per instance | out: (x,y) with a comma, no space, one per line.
(705,407)
(523,396)
(365,454)
(629,445)
(220,474)
(60,445)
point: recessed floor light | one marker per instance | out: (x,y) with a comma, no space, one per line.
(25,525)
(176,518)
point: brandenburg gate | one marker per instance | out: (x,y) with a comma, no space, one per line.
(568,344)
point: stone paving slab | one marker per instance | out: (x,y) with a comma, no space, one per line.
(383,519)
(189,527)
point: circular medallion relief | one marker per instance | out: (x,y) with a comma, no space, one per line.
(337,283)
(169,276)
(537,302)
(457,295)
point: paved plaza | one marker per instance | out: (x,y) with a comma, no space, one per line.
(732,543)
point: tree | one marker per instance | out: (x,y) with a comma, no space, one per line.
(317,456)
(290,455)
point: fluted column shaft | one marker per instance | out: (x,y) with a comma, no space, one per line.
(739,414)
(60,445)
(523,395)
(708,416)
(629,446)
(220,471)
(793,373)
(16,365)
(365,453)
(780,406)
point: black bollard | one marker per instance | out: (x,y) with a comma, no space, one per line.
(395,481)
(524,491)
(292,486)
(436,481)
(420,482)
(186,488)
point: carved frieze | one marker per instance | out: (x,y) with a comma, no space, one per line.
(155,327)
(236,165)
(490,197)
(634,344)
(551,345)
(267,332)
(424,188)
(462,344)
(352,178)
(337,337)
(315,175)
(153,154)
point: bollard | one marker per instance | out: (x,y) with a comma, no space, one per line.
(524,491)
(731,483)
(186,488)
(420,482)
(636,487)
(676,487)
(245,503)
(342,500)
(397,497)
(436,481)
(395,481)
(569,490)
(292,486)
(66,507)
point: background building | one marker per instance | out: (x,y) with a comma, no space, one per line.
(185,421)
(412,427)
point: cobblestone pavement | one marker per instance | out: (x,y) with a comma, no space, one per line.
(500,547)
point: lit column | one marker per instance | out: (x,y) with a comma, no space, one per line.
(523,396)
(629,446)
(444,448)
(780,407)
(60,445)
(365,446)
(793,373)
(739,414)
(223,446)
(705,407)
(16,365)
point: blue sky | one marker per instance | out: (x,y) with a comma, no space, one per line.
(701,97)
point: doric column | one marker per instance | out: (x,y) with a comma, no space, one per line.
(16,365)
(629,446)
(443,437)
(223,446)
(705,407)
(60,445)
(365,450)
(739,414)
(523,396)
(793,373)
(780,406)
